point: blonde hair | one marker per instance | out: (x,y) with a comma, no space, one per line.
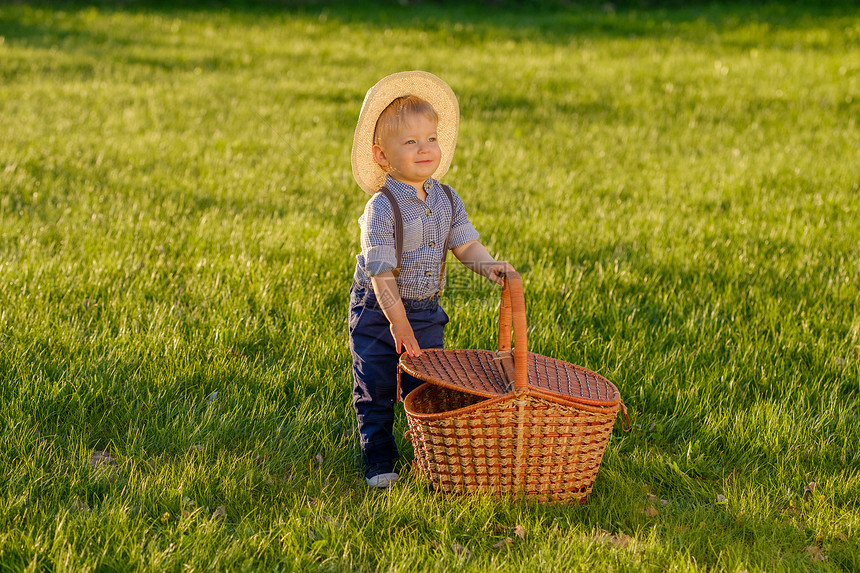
(393,117)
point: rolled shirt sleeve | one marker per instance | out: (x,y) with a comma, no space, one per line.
(377,237)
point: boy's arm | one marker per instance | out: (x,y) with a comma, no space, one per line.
(475,257)
(388,297)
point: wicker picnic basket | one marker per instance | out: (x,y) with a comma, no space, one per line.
(509,422)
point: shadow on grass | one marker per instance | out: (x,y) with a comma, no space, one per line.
(469,22)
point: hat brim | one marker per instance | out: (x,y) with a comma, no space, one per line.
(368,174)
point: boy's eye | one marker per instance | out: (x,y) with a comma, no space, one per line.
(432,139)
(410,141)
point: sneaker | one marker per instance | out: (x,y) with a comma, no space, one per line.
(380,474)
(382,480)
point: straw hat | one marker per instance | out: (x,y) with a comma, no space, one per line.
(437,93)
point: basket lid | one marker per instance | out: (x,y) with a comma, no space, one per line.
(482,372)
(513,368)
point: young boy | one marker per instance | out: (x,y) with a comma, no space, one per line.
(403,145)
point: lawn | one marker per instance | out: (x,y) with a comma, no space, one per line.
(679,187)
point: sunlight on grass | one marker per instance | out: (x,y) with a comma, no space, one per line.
(178,223)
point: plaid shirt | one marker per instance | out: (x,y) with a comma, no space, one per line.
(425,225)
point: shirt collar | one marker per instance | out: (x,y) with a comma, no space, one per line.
(399,188)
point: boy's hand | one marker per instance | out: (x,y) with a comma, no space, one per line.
(388,295)
(404,338)
(498,270)
(475,256)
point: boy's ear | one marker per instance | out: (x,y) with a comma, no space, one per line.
(379,156)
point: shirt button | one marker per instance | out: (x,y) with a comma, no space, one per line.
(428,212)
(428,274)
(432,244)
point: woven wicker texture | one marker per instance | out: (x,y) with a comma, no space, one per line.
(509,422)
(480,372)
(527,446)
(475,371)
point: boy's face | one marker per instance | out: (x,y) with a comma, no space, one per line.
(412,154)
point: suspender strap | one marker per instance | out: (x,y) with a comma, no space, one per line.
(448,236)
(398,229)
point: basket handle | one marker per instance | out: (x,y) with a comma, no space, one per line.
(512,311)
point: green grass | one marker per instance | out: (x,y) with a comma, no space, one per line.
(680,188)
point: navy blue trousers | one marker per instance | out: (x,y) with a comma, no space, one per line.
(374,367)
